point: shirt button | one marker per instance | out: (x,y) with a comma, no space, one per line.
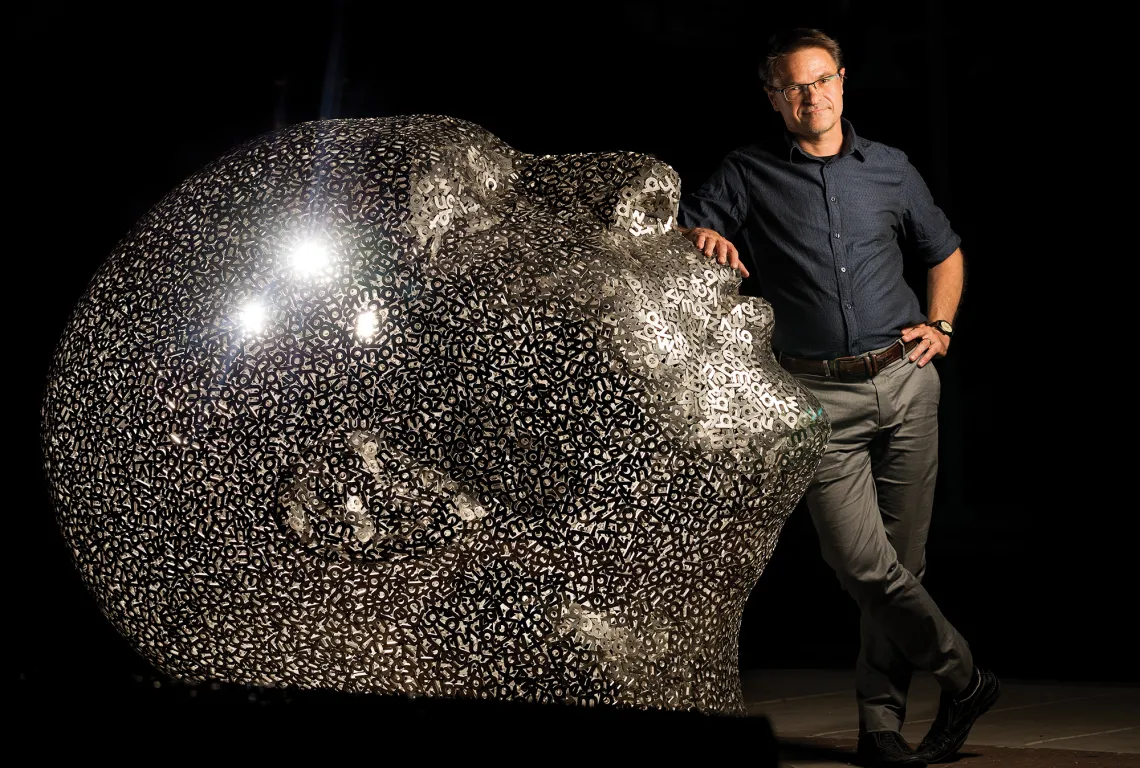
(837,234)
(843,269)
(833,198)
(849,305)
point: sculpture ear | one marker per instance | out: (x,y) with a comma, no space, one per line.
(358,497)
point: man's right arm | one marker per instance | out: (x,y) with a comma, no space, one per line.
(715,213)
(715,245)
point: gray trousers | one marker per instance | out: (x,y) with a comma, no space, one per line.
(870,502)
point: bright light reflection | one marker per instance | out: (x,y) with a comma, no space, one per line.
(309,258)
(253,317)
(366,324)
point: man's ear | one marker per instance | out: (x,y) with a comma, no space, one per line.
(772,98)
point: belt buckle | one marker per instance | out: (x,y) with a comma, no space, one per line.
(871,363)
(839,372)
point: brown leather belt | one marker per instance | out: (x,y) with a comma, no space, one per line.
(854,368)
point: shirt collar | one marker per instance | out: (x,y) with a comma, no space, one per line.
(850,143)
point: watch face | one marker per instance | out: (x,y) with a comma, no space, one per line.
(944,326)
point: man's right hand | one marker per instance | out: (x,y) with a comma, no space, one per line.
(715,246)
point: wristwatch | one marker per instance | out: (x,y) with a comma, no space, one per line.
(942,326)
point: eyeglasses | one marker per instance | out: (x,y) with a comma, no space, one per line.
(797,92)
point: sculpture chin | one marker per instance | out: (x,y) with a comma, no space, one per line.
(386,405)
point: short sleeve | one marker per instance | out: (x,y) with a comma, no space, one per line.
(928,232)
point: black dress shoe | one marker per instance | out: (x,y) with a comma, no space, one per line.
(957,715)
(887,749)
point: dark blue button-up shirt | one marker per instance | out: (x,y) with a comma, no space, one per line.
(827,238)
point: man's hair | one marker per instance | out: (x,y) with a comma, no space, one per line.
(792,40)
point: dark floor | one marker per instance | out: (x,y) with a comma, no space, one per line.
(813,713)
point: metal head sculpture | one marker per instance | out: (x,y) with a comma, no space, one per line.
(387,405)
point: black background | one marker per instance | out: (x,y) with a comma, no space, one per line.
(113,108)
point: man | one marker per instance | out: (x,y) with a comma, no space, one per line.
(828,216)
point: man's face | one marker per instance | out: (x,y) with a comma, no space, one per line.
(816,110)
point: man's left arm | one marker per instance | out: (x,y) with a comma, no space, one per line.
(929,236)
(944,284)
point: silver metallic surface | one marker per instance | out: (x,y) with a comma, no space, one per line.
(387,405)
